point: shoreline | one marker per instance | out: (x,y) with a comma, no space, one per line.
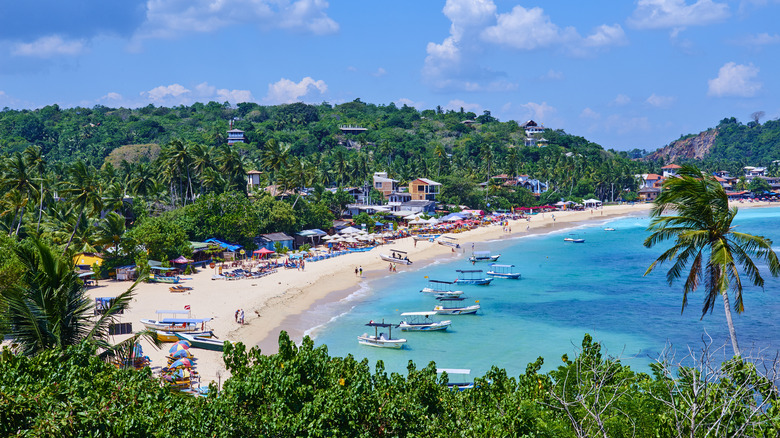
(286,300)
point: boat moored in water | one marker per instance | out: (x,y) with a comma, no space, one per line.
(441,288)
(502,271)
(457,378)
(378,339)
(575,239)
(443,309)
(473,277)
(422,322)
(483,256)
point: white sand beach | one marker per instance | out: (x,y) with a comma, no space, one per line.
(275,302)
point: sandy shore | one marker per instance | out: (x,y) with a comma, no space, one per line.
(277,301)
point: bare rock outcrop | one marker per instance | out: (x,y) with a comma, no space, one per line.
(695,147)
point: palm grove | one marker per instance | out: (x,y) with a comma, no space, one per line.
(140,184)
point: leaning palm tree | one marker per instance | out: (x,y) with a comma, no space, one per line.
(83,192)
(700,223)
(48,307)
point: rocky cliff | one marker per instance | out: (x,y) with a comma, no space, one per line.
(696,147)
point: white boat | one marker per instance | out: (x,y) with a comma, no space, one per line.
(441,288)
(502,271)
(443,309)
(576,239)
(472,276)
(609,229)
(422,322)
(449,241)
(455,379)
(204,342)
(174,324)
(396,256)
(379,339)
(483,256)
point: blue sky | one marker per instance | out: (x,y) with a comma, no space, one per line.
(622,74)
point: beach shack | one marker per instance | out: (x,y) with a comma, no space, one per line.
(269,241)
(228,249)
(313,237)
(124,273)
(86,260)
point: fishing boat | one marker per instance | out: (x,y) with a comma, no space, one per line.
(483,256)
(455,379)
(472,276)
(175,324)
(179,289)
(443,309)
(396,256)
(378,339)
(164,336)
(575,239)
(502,271)
(170,279)
(441,288)
(422,322)
(206,343)
(449,241)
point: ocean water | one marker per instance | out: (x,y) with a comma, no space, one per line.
(567,290)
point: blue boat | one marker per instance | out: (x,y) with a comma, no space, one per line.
(472,276)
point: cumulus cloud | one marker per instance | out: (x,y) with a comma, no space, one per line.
(660,101)
(588,113)
(177,94)
(457,104)
(287,91)
(735,80)
(476,25)
(174,18)
(112,96)
(758,40)
(408,102)
(48,46)
(620,100)
(539,111)
(659,14)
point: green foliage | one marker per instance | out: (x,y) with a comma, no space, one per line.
(162,237)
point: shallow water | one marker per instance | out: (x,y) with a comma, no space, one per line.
(567,290)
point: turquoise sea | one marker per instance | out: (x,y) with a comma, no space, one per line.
(567,290)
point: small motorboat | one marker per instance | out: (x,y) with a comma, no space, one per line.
(396,256)
(443,309)
(206,343)
(575,239)
(609,229)
(379,339)
(422,322)
(473,277)
(457,383)
(502,271)
(483,256)
(441,288)
(449,241)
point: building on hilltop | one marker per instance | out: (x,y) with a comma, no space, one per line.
(384,184)
(349,129)
(533,134)
(235,136)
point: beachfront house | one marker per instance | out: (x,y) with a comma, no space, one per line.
(268,241)
(384,184)
(86,260)
(424,189)
(648,193)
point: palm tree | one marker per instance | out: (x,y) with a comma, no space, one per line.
(84,193)
(701,225)
(109,231)
(48,307)
(273,157)
(18,185)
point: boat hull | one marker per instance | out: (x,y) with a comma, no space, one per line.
(442,293)
(163,279)
(388,258)
(469,310)
(372,341)
(429,327)
(168,327)
(201,342)
(166,336)
(476,282)
(484,259)
(513,276)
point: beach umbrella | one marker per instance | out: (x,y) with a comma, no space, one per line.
(181,363)
(180,354)
(349,230)
(180,374)
(351,240)
(329,237)
(181,345)
(137,351)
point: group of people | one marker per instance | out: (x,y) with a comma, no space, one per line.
(392,267)
(359,272)
(240,316)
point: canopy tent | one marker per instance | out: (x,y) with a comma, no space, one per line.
(262,252)
(418,222)
(591,203)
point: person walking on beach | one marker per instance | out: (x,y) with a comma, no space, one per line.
(242,316)
(356,271)
(361,271)
(236,317)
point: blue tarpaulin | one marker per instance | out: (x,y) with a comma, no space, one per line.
(227,246)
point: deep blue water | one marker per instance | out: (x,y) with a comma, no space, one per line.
(567,290)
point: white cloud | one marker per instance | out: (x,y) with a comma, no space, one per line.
(735,80)
(758,40)
(112,96)
(552,75)
(48,46)
(379,72)
(588,113)
(287,91)
(408,102)
(660,101)
(620,100)
(539,111)
(174,18)
(176,94)
(659,14)
(529,29)
(457,104)
(163,92)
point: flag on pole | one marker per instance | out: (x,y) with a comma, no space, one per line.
(187,307)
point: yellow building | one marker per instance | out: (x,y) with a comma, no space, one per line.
(87,259)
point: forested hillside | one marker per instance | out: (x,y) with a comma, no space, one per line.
(729,146)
